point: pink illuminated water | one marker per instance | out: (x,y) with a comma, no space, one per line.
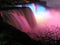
(40,22)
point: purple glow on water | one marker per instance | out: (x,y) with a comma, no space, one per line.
(26,20)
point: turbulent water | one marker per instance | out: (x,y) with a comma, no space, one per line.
(28,21)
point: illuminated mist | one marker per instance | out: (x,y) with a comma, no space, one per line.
(37,22)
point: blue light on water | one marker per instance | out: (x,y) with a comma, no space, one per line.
(40,8)
(18,5)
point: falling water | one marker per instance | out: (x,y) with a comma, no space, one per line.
(36,23)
